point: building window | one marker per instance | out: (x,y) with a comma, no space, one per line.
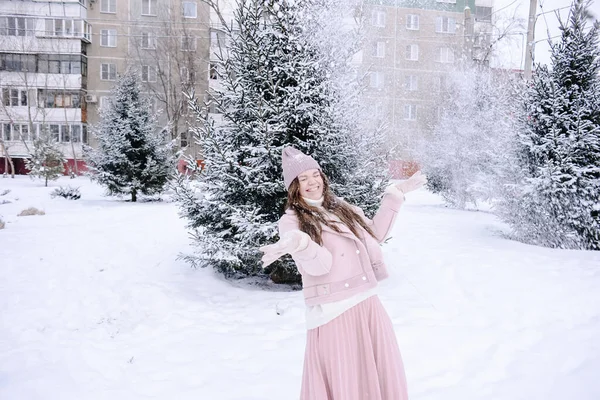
(105,102)
(59,99)
(24,132)
(412,52)
(378,18)
(66,28)
(183,139)
(483,14)
(379,49)
(108,38)
(411,83)
(148,73)
(213,73)
(188,75)
(108,6)
(17,26)
(108,72)
(148,7)
(217,39)
(190,9)
(148,41)
(6,132)
(444,55)
(376,79)
(62,64)
(412,22)
(188,43)
(410,112)
(16,132)
(14,97)
(445,25)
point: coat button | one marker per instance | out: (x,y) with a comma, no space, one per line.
(364,278)
(357,251)
(347,285)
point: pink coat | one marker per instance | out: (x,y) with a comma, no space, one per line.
(345,265)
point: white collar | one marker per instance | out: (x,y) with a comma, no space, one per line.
(314,203)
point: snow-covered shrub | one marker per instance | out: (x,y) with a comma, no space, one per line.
(68,192)
(4,192)
(31,211)
(47,160)
(552,194)
(2,224)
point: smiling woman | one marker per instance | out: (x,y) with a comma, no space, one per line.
(351,349)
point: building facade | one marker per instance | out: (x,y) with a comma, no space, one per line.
(60,59)
(411,48)
(43,76)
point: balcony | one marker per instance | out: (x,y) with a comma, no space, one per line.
(66,28)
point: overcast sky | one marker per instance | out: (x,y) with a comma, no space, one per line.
(511,52)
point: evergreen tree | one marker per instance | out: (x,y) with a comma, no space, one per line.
(555,199)
(132,156)
(47,160)
(277,90)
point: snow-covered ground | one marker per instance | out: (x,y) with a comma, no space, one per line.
(95,305)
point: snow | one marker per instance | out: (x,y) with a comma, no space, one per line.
(95,305)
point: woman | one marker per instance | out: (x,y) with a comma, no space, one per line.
(351,349)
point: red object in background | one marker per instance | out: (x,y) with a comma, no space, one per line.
(21,169)
(70,165)
(400,169)
(182,166)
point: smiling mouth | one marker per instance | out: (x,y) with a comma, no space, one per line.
(313,189)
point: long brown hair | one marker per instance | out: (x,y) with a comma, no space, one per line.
(312,218)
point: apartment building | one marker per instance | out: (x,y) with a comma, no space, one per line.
(167,41)
(60,59)
(43,76)
(411,48)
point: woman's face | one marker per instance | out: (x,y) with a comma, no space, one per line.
(311,184)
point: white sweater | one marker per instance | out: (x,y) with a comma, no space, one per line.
(321,314)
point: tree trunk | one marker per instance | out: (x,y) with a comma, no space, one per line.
(8,161)
(134,195)
(46,180)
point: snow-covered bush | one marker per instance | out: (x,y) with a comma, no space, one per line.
(552,191)
(31,211)
(69,193)
(2,224)
(47,160)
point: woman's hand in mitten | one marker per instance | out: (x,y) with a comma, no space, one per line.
(290,242)
(413,183)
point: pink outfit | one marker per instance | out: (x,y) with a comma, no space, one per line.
(354,357)
(345,265)
(353,353)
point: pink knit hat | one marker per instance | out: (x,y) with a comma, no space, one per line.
(294,163)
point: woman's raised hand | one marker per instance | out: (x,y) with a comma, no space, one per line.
(290,242)
(416,181)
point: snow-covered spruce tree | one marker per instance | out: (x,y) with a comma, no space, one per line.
(555,197)
(47,160)
(470,136)
(276,91)
(132,156)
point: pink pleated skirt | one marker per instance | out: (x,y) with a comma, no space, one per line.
(354,357)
